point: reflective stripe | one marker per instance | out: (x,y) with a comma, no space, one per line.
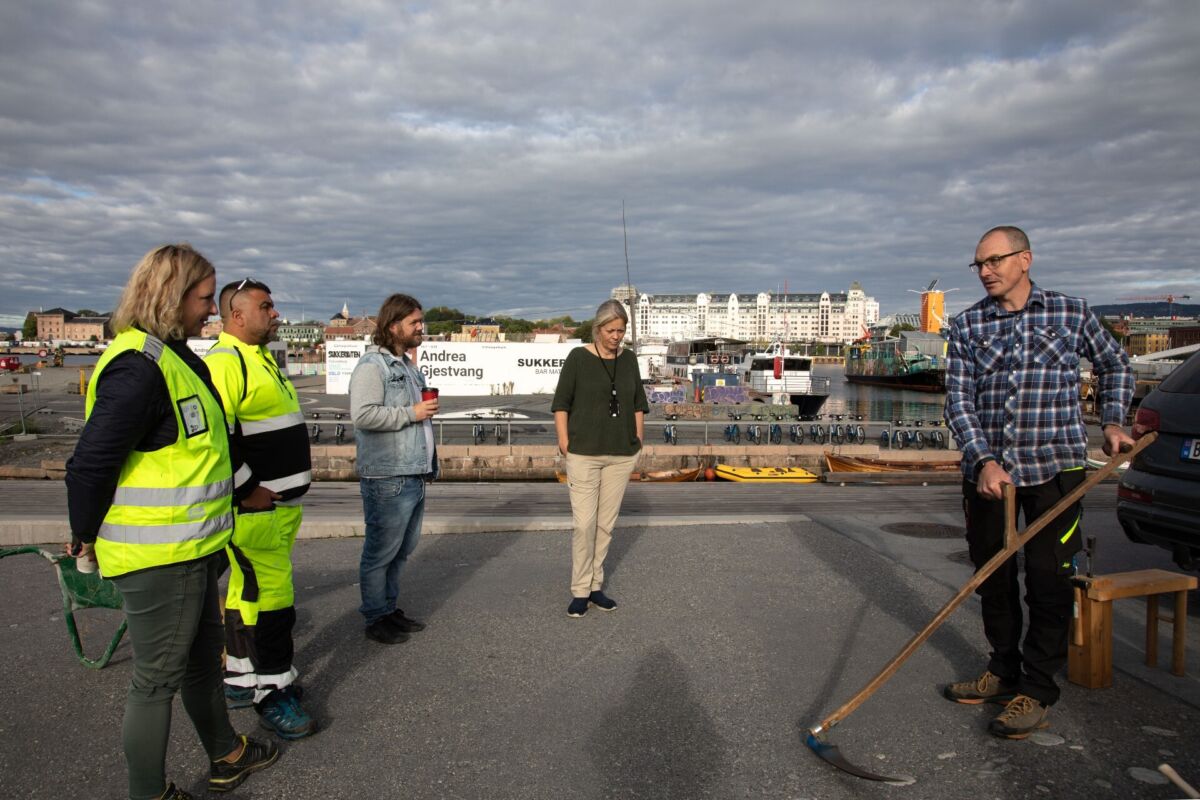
(290,482)
(174,496)
(165,534)
(242,475)
(252,427)
(1067,535)
(279,680)
(1072,469)
(153,347)
(222,351)
(242,665)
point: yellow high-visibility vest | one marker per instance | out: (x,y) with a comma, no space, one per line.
(265,401)
(173,504)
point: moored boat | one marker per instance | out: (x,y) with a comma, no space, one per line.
(785,377)
(727,472)
(839,463)
(657,476)
(913,360)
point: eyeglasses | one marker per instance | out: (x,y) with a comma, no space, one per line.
(992,262)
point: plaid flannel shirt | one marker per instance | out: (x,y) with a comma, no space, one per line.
(1012,384)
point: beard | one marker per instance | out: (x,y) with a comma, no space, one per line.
(403,344)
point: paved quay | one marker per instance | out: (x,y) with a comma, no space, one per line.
(734,635)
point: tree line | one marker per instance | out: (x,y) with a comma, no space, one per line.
(446,320)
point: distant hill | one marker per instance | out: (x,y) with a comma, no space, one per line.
(1155,309)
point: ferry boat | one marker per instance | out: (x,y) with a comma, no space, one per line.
(785,378)
(686,357)
(913,360)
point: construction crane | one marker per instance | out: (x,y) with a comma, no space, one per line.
(1169,299)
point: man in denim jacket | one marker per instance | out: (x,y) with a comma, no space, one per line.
(396,457)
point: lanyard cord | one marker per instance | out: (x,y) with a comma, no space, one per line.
(611,377)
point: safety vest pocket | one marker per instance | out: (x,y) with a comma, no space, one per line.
(257,530)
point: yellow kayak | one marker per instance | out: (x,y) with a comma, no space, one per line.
(765,474)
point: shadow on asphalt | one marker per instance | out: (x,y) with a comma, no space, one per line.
(904,605)
(659,741)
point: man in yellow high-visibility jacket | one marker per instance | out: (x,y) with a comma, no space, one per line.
(266,424)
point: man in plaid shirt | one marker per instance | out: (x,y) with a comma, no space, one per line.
(1012,403)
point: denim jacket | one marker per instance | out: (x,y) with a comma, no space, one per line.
(383,390)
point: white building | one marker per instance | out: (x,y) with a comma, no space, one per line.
(766,316)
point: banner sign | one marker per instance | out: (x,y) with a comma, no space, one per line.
(465,368)
(340,359)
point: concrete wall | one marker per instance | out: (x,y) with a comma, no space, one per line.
(540,462)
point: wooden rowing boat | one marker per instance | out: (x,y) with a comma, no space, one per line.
(836,463)
(764,474)
(658,476)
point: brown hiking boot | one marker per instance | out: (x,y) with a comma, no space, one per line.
(988,688)
(1022,716)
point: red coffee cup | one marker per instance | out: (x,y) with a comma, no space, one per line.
(429,393)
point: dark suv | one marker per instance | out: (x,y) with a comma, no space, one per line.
(1158,501)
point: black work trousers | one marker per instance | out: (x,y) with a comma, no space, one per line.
(1048,592)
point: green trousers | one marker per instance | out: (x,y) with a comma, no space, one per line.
(177,636)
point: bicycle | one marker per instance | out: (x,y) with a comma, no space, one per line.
(339,433)
(837,434)
(817,433)
(754,434)
(904,438)
(796,434)
(937,440)
(775,433)
(856,434)
(733,432)
(670,434)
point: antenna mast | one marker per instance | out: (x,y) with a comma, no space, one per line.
(629,283)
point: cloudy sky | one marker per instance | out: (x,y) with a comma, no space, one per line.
(476,154)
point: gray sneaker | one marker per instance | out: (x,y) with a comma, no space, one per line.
(1022,716)
(987,688)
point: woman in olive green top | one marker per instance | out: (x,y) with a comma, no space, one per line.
(599,411)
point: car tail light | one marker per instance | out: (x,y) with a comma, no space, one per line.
(1125,493)
(1146,420)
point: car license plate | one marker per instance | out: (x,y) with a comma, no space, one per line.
(1190,450)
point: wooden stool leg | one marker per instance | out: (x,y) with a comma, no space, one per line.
(1151,630)
(1090,665)
(1179,640)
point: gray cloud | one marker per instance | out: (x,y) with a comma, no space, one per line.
(477,154)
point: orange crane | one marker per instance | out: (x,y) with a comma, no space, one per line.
(1159,298)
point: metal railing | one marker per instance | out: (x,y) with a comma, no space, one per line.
(771,429)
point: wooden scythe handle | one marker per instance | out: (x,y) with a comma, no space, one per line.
(984,572)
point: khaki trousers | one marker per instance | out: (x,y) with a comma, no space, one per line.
(597,485)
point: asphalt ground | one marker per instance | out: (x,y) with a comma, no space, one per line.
(732,638)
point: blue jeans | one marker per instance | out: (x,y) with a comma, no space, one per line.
(392,509)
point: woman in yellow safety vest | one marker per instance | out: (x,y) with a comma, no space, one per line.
(149,492)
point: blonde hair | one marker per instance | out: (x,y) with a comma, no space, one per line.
(153,298)
(606,313)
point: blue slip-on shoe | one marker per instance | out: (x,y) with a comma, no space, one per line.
(578,607)
(602,601)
